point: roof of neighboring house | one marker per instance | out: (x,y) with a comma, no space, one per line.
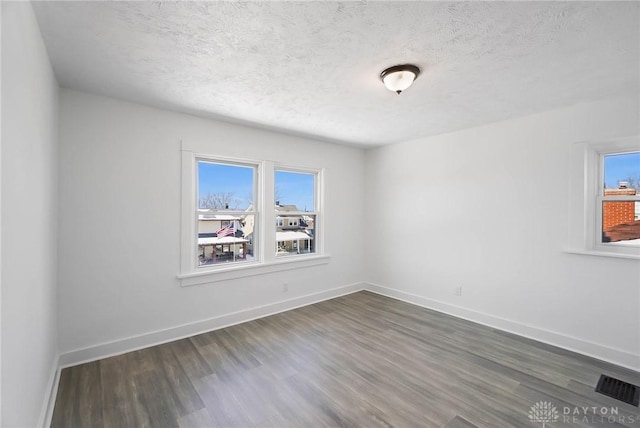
(223,240)
(218,217)
(620,192)
(622,232)
(286,208)
(292,236)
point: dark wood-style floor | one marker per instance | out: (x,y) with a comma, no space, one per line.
(360,360)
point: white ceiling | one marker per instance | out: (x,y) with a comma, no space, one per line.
(312,68)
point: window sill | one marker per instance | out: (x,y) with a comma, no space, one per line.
(257,268)
(603,254)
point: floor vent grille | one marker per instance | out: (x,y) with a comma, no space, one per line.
(619,390)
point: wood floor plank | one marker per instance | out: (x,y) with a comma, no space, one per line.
(156,400)
(250,390)
(82,405)
(223,407)
(198,419)
(184,396)
(121,404)
(192,362)
(361,360)
(460,422)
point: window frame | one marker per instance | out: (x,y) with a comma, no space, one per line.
(190,212)
(317,212)
(587,196)
(264,241)
(255,166)
(601,198)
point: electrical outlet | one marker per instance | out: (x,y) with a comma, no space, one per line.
(458,290)
(285,287)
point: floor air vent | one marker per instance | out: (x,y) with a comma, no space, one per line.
(619,390)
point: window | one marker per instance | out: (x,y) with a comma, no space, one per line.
(618,214)
(296,200)
(228,218)
(226,213)
(605,199)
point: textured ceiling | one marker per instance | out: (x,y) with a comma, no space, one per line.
(312,68)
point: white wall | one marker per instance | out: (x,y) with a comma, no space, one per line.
(120,169)
(29,219)
(487,209)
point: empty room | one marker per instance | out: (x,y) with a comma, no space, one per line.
(307,214)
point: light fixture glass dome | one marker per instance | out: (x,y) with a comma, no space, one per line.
(399,77)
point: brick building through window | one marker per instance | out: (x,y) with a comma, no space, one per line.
(620,218)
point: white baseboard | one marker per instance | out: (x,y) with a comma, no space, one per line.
(133,343)
(50,399)
(611,355)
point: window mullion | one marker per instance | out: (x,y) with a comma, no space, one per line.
(269,214)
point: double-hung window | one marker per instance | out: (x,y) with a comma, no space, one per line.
(618,201)
(226,213)
(605,199)
(296,216)
(246,217)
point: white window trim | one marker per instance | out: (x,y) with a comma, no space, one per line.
(586,195)
(318,211)
(265,258)
(188,248)
(252,269)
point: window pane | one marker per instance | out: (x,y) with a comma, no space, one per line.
(621,219)
(621,171)
(295,189)
(225,186)
(621,222)
(225,236)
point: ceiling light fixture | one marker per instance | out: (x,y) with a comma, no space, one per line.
(399,77)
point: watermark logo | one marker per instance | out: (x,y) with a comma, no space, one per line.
(543,412)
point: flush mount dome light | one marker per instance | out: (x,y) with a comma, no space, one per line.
(399,77)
